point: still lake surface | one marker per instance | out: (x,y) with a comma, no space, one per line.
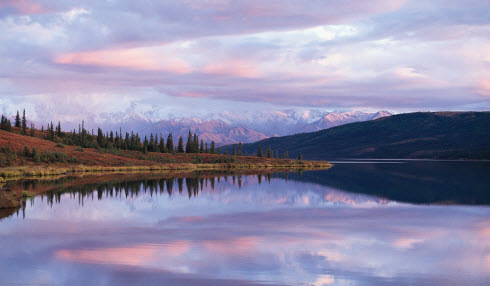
(359,223)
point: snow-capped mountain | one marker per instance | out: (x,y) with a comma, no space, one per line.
(335,119)
(231,127)
(211,130)
(287,122)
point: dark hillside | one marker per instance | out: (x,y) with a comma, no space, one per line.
(435,135)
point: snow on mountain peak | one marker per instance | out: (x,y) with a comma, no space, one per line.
(230,127)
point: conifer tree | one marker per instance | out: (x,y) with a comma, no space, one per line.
(151,143)
(17,120)
(206,148)
(100,138)
(188,146)
(145,145)
(32,130)
(269,152)
(233,152)
(155,144)
(51,131)
(300,158)
(162,145)
(58,129)
(170,143)
(286,154)
(259,152)
(180,147)
(212,151)
(201,150)
(195,144)
(240,148)
(126,142)
(3,123)
(24,123)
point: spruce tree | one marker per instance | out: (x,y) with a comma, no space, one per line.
(170,143)
(51,132)
(269,152)
(201,150)
(212,151)
(151,143)
(259,152)
(32,130)
(162,145)
(286,154)
(17,120)
(233,152)
(240,148)
(100,138)
(24,123)
(180,147)
(3,123)
(195,144)
(126,142)
(59,129)
(188,146)
(145,145)
(300,158)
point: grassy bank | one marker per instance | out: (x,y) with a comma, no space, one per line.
(26,182)
(46,171)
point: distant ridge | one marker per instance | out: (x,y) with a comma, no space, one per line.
(225,127)
(435,135)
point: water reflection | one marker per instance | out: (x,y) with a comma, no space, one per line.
(231,229)
(413,181)
(220,187)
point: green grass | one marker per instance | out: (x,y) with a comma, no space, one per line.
(27,194)
(20,172)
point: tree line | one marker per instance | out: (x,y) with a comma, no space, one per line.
(111,140)
(130,140)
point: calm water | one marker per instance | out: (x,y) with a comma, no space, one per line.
(369,223)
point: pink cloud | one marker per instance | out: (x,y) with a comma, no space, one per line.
(132,58)
(23,6)
(192,94)
(235,68)
(483,87)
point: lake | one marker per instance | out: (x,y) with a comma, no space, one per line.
(370,222)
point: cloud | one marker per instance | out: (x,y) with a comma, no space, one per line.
(398,55)
(22,6)
(138,59)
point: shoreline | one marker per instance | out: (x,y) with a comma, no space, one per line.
(12,198)
(19,172)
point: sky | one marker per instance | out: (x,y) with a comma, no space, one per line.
(76,59)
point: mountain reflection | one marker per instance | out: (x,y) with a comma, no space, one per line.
(190,187)
(237,229)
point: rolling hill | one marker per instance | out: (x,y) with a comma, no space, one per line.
(434,135)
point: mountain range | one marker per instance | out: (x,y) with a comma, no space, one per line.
(233,127)
(430,135)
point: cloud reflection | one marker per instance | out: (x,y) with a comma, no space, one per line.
(269,233)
